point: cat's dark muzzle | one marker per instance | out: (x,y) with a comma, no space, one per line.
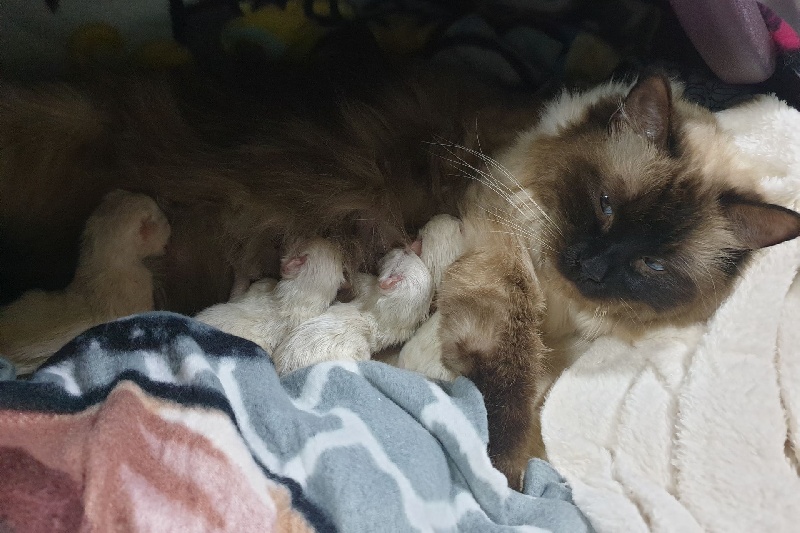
(588,271)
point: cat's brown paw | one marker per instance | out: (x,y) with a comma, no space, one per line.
(489,333)
(514,470)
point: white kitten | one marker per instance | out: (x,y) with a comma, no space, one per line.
(110,282)
(442,242)
(311,274)
(385,311)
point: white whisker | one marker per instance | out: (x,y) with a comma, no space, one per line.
(496,164)
(499,188)
(519,230)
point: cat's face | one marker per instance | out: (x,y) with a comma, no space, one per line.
(635,217)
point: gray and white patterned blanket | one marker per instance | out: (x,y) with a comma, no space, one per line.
(159,423)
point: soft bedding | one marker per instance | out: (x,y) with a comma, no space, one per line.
(698,428)
(159,423)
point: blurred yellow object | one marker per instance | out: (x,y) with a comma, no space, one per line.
(281,33)
(590,59)
(323,9)
(401,35)
(102,45)
(95,43)
(161,54)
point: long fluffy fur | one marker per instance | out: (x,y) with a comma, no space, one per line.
(366,176)
(373,170)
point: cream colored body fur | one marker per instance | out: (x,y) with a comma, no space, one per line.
(110,282)
(268,311)
(442,243)
(381,315)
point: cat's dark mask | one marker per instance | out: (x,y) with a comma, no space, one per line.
(642,227)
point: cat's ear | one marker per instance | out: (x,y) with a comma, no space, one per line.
(647,110)
(758,225)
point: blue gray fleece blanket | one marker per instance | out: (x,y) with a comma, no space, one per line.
(335,447)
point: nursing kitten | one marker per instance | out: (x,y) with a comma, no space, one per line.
(619,209)
(111,281)
(311,275)
(441,242)
(365,174)
(386,310)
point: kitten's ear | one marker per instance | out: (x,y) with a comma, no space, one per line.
(388,283)
(291,266)
(416,246)
(647,110)
(758,225)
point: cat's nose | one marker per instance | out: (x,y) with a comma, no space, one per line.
(595,268)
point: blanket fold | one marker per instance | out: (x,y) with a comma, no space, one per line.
(696,429)
(160,423)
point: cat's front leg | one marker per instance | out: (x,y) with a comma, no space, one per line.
(491,310)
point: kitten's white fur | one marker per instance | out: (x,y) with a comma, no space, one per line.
(442,243)
(311,275)
(110,282)
(386,311)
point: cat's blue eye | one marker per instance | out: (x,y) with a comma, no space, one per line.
(653,264)
(605,205)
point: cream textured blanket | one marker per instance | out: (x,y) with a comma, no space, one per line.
(698,429)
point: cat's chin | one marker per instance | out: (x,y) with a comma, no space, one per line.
(584,309)
(592,290)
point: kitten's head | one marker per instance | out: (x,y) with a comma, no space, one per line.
(404,277)
(315,266)
(642,209)
(126,226)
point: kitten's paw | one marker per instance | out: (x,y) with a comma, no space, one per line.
(243,289)
(416,246)
(241,284)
